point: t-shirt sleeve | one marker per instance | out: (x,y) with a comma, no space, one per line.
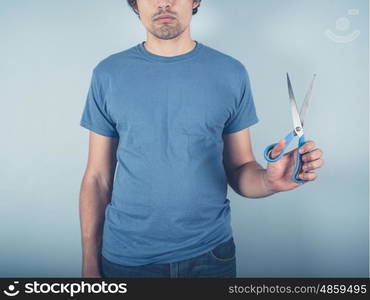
(95,116)
(245,114)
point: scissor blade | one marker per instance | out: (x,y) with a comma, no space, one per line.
(306,101)
(293,108)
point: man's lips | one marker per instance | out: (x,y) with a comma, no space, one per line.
(165,18)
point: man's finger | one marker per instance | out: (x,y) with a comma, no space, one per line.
(312,155)
(307,147)
(277,149)
(308,176)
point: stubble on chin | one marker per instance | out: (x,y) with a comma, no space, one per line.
(166,31)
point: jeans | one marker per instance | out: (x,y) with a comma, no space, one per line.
(218,262)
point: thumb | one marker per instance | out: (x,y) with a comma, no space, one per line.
(277,149)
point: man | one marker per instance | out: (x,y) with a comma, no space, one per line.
(175,115)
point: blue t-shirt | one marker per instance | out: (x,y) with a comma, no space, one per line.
(169,199)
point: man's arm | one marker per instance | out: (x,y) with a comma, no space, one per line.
(245,175)
(95,194)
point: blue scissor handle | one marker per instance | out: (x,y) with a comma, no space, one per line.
(288,139)
(301,142)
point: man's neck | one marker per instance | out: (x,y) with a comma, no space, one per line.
(171,47)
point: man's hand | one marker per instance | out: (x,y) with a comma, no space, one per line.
(278,175)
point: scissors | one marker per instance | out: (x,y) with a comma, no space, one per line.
(297,128)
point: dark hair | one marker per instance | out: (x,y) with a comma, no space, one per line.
(132,4)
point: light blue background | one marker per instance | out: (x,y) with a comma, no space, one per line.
(48,49)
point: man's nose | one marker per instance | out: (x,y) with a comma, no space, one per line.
(164,3)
